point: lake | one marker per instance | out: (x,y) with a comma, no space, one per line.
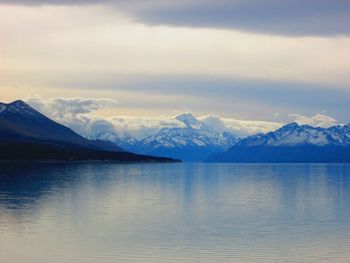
(98,213)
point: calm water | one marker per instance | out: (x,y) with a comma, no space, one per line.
(174,213)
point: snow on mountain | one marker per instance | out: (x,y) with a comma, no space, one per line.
(180,137)
(194,133)
(80,115)
(318,120)
(292,143)
(293,134)
(190,121)
(185,132)
(125,142)
(18,107)
(204,136)
(188,135)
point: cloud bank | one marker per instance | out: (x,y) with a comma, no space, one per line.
(75,113)
(319,120)
(61,107)
(287,17)
(89,50)
(80,115)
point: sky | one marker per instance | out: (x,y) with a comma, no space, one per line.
(252,60)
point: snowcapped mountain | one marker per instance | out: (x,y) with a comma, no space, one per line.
(293,134)
(191,140)
(194,133)
(292,143)
(191,122)
(126,141)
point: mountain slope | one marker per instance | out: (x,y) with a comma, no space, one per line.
(186,143)
(20,122)
(27,135)
(292,143)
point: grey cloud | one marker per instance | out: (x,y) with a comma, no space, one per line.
(281,97)
(73,106)
(88,123)
(100,124)
(287,17)
(318,120)
(50,2)
(235,97)
(73,112)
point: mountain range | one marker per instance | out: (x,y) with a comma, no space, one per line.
(27,134)
(194,141)
(291,143)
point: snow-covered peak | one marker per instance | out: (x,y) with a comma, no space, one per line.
(189,120)
(184,130)
(18,107)
(318,120)
(186,117)
(293,134)
(126,141)
(183,137)
(18,103)
(288,127)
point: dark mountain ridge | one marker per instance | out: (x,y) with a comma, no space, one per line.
(20,122)
(26,134)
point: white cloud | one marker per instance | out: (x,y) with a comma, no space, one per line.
(96,43)
(73,112)
(241,128)
(71,106)
(94,50)
(318,120)
(80,115)
(327,17)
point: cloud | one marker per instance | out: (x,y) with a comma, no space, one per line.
(73,112)
(52,2)
(80,115)
(287,17)
(71,106)
(318,120)
(241,128)
(86,50)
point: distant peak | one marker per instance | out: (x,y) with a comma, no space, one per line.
(186,117)
(19,107)
(291,125)
(18,103)
(190,121)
